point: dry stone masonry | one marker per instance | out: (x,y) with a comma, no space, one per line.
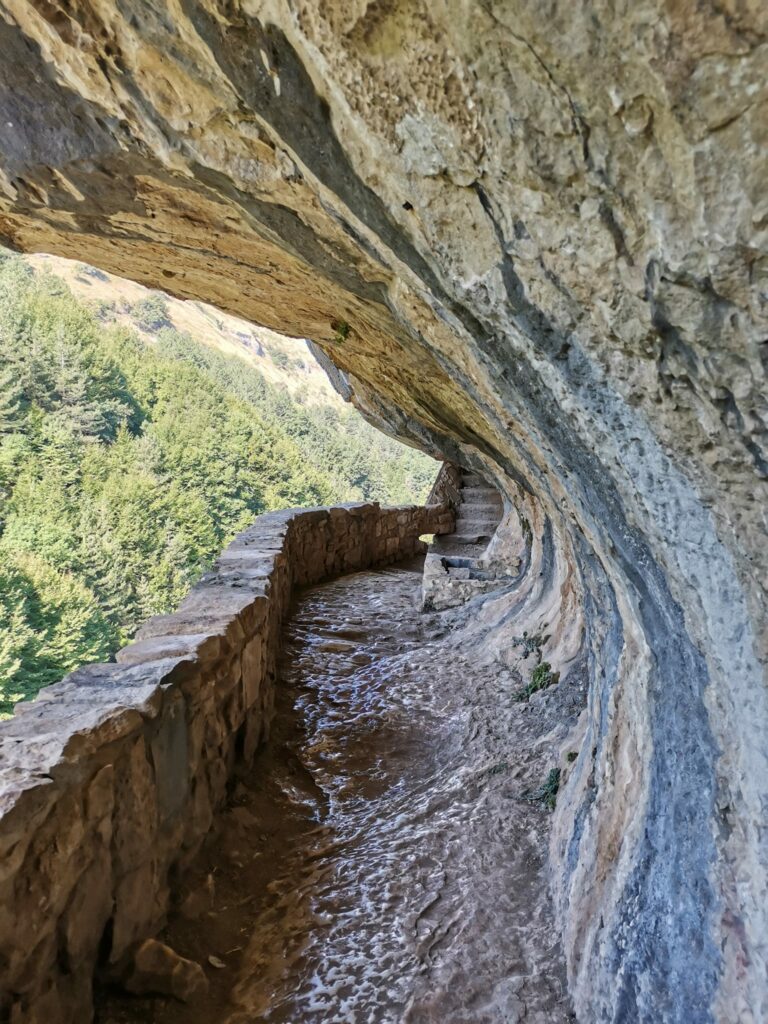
(466,563)
(110,779)
(531,238)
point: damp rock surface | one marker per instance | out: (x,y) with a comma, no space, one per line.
(158,969)
(385,859)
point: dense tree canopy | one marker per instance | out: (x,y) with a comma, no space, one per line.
(125,467)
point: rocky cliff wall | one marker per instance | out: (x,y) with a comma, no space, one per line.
(110,779)
(530,236)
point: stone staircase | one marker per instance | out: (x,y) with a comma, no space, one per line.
(477,516)
(454,570)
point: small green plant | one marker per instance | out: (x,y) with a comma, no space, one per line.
(541,677)
(546,794)
(497,769)
(281,359)
(342,329)
(530,644)
(104,310)
(571,756)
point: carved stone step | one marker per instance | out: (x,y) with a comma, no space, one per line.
(488,494)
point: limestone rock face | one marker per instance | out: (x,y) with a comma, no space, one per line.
(530,236)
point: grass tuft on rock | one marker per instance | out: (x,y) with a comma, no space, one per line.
(546,794)
(541,677)
(530,644)
(341,330)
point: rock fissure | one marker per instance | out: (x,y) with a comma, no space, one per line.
(580,127)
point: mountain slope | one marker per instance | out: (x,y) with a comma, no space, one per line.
(129,458)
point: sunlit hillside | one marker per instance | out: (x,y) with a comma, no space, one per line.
(138,434)
(283,361)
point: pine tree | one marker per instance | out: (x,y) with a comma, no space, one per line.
(151,312)
(10,401)
(16,639)
(72,400)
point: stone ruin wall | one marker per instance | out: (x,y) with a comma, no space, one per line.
(109,781)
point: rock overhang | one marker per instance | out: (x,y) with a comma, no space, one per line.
(534,245)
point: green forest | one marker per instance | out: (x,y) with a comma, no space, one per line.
(125,468)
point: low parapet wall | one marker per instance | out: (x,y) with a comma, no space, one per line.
(110,779)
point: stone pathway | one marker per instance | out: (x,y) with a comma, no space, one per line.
(379,864)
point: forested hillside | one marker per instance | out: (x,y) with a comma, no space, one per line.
(126,464)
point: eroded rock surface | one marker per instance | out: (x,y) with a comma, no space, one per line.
(158,969)
(531,237)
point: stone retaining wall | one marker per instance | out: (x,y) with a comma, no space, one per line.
(446,490)
(109,781)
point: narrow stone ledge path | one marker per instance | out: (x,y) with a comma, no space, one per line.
(378,864)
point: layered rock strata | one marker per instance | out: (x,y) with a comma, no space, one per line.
(533,238)
(110,779)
